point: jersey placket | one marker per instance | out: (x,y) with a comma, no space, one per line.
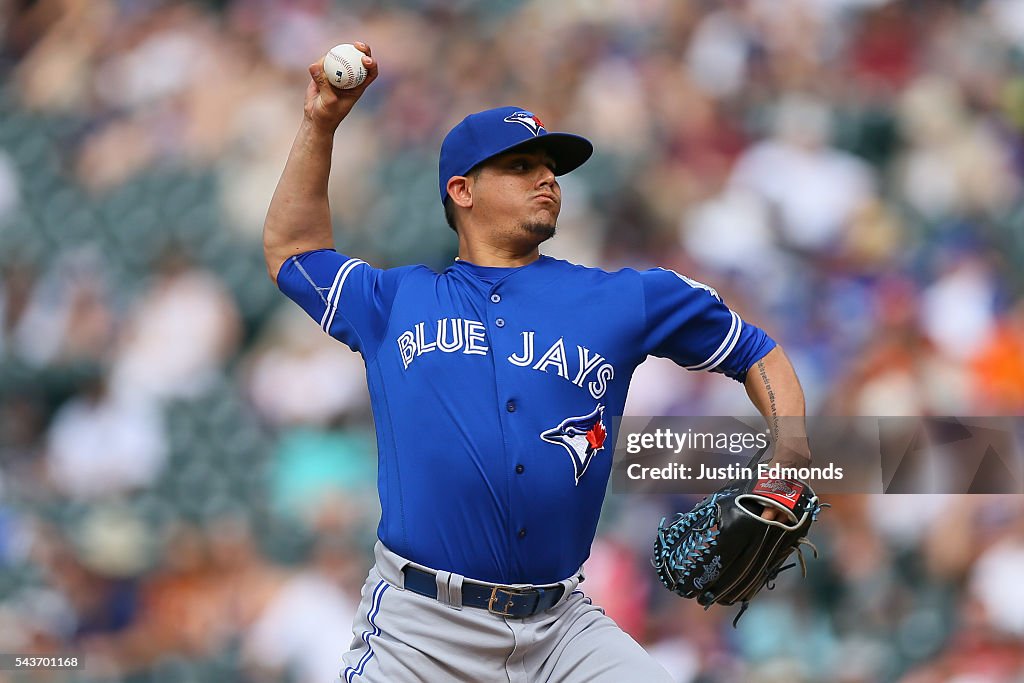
(507,406)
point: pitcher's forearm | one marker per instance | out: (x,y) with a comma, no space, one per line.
(299,217)
(775,391)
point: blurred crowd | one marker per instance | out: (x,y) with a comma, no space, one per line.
(187,464)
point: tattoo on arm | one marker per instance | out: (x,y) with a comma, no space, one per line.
(773,409)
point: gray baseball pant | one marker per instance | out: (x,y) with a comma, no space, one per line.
(404,637)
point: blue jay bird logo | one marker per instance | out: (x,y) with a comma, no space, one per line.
(525,118)
(582,437)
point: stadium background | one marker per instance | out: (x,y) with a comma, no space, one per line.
(187,463)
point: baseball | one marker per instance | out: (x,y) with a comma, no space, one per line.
(344,66)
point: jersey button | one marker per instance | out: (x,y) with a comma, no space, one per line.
(500,322)
(495,298)
(510,406)
(519,469)
(522,533)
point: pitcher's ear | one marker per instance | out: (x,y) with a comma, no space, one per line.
(460,191)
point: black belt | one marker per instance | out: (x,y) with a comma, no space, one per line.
(505,601)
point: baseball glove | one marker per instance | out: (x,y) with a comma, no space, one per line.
(722,551)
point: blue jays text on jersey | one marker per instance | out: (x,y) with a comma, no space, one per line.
(492,393)
(468,336)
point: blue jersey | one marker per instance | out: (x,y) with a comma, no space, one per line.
(493,391)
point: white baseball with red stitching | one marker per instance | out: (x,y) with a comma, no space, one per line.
(343,66)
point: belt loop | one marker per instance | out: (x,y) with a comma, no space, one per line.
(568,586)
(455,591)
(441,579)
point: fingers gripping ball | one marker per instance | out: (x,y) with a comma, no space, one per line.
(343,66)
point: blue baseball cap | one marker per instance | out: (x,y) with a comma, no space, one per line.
(486,134)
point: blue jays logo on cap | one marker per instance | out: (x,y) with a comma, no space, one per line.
(486,134)
(527,119)
(581,436)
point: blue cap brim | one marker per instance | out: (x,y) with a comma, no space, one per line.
(568,151)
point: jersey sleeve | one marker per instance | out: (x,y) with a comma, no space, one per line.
(687,322)
(350,299)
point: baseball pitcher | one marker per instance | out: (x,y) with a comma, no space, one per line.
(493,385)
